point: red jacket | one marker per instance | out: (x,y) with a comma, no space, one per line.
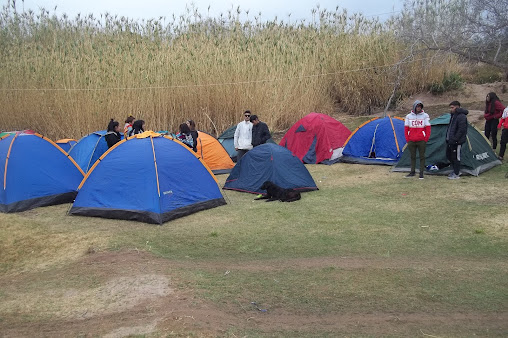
(417,127)
(504,120)
(498,111)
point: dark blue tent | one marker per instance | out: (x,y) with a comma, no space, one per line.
(148,178)
(377,141)
(35,172)
(88,149)
(269,162)
(227,139)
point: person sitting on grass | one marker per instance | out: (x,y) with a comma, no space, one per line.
(185,136)
(113,133)
(138,127)
(128,126)
(194,134)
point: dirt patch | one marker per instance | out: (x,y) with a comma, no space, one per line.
(116,294)
(469,93)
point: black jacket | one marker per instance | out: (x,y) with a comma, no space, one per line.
(457,129)
(260,134)
(194,135)
(112,138)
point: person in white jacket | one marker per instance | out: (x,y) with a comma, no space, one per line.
(243,136)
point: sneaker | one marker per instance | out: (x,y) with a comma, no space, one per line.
(411,174)
(500,158)
(452,176)
(421,176)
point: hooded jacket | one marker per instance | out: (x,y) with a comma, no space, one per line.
(498,110)
(417,126)
(504,120)
(457,128)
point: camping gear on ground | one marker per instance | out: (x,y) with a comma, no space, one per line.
(89,148)
(66,143)
(213,154)
(377,141)
(35,172)
(269,162)
(227,139)
(149,178)
(316,138)
(476,154)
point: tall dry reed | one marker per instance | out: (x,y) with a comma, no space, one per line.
(66,77)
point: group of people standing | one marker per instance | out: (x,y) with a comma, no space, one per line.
(249,133)
(417,132)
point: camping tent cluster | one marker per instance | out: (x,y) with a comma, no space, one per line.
(168,180)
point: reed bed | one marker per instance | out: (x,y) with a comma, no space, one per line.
(66,77)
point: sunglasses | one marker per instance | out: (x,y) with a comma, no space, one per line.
(247,115)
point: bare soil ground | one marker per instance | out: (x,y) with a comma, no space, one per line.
(134,293)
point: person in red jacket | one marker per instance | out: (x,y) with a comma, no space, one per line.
(493,111)
(417,132)
(503,125)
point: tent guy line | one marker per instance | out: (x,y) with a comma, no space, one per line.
(216,84)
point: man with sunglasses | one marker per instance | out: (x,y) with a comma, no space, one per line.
(243,136)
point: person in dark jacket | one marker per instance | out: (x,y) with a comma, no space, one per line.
(194,134)
(260,131)
(113,133)
(455,137)
(138,127)
(493,111)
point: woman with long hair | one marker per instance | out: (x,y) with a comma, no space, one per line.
(113,133)
(493,111)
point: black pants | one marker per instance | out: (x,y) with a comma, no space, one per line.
(420,145)
(491,130)
(504,141)
(240,153)
(453,155)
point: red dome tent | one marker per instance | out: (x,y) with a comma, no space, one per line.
(316,138)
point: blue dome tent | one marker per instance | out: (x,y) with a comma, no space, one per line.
(166,180)
(377,141)
(269,162)
(35,172)
(66,144)
(88,149)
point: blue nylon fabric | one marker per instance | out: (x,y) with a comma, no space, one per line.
(88,149)
(36,168)
(310,157)
(66,146)
(269,162)
(126,179)
(359,145)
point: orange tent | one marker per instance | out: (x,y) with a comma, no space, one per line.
(213,154)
